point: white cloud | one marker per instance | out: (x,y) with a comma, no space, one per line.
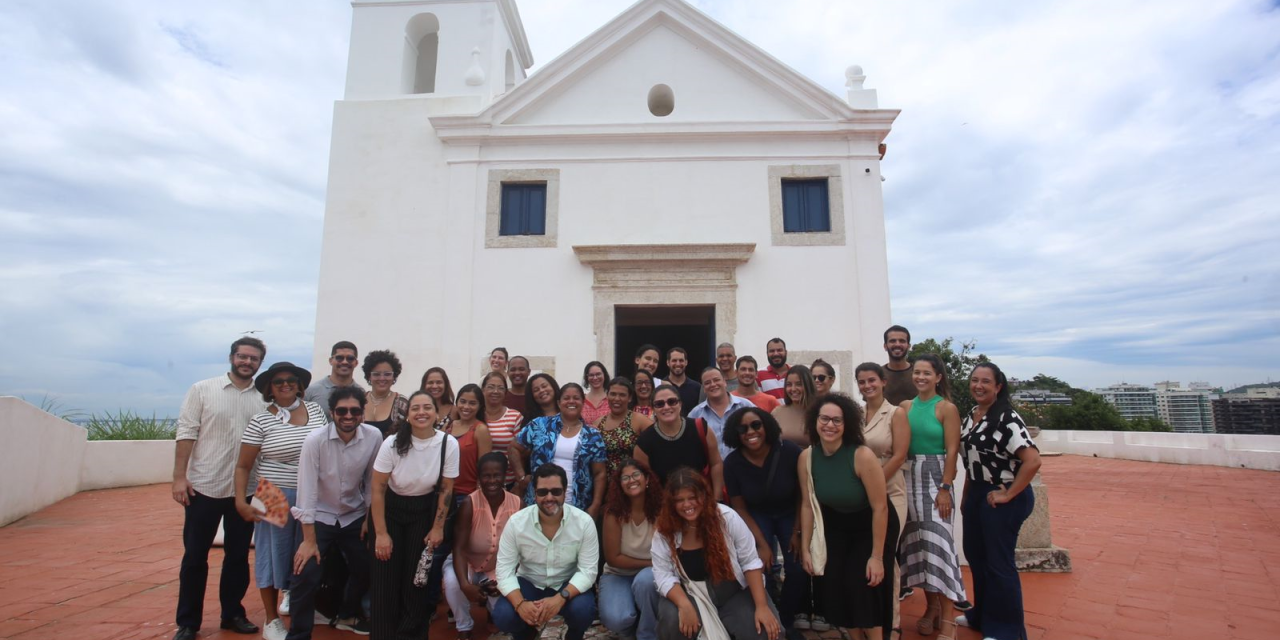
(1088,186)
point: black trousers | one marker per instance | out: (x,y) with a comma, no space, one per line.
(302,597)
(199,527)
(399,610)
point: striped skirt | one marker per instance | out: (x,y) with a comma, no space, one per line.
(928,548)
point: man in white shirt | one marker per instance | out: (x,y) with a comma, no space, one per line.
(719,404)
(335,489)
(555,549)
(210,423)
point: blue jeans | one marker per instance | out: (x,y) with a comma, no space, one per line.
(776,529)
(629,604)
(578,613)
(990,536)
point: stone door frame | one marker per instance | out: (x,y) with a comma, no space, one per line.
(663,274)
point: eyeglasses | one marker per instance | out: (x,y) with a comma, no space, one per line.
(751,426)
(344,358)
(670,402)
(836,420)
(247,357)
(542,493)
(280,382)
(632,477)
(383,374)
(348,411)
(821,377)
(495,389)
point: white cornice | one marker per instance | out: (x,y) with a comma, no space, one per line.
(871,125)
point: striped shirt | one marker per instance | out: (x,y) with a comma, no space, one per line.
(280,444)
(503,431)
(773,381)
(214,414)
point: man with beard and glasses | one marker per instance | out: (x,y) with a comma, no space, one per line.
(210,424)
(335,488)
(677,365)
(518,373)
(773,378)
(898,386)
(342,364)
(548,557)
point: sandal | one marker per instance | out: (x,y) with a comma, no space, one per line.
(944,635)
(930,621)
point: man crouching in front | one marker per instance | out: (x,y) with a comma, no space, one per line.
(555,550)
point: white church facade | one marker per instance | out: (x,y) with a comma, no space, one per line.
(664,181)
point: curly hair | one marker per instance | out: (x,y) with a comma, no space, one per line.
(378,357)
(733,431)
(618,505)
(710,524)
(403,432)
(852,414)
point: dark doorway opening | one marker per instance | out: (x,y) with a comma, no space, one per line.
(692,327)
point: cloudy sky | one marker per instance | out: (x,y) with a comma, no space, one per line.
(1098,183)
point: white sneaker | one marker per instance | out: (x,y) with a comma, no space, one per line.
(274,630)
(284,603)
(819,623)
(962,621)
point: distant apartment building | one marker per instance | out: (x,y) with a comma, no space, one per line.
(1257,411)
(1131,400)
(1040,397)
(1187,410)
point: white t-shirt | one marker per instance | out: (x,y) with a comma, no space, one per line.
(414,474)
(566,451)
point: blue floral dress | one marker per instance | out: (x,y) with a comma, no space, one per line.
(539,438)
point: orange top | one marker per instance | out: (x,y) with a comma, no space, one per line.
(486,529)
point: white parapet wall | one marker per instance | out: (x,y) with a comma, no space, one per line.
(45,459)
(126,463)
(40,461)
(1212,449)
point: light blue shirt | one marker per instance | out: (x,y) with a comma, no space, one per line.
(335,477)
(572,555)
(716,421)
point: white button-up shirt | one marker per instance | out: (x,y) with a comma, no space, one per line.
(742,552)
(335,478)
(214,414)
(572,556)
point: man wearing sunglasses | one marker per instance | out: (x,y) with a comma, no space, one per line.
(334,492)
(342,364)
(548,557)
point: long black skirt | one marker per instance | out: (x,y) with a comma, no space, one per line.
(847,601)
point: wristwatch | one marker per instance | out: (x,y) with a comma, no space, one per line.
(946,485)
(564,593)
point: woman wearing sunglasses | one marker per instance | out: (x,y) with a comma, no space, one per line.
(824,377)
(760,477)
(273,442)
(676,441)
(798,394)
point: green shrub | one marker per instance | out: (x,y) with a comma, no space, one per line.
(127,425)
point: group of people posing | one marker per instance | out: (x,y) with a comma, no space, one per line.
(746,503)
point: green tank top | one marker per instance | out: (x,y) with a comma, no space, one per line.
(926,430)
(834,481)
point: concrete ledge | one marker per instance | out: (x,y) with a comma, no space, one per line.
(1212,449)
(126,463)
(40,462)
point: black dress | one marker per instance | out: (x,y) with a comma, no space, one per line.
(687,449)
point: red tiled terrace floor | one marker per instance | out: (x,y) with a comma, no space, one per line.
(1160,551)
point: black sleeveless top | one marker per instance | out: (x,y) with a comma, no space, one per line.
(665,456)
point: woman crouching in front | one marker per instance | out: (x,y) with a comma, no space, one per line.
(706,567)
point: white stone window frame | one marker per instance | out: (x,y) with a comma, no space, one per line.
(493,208)
(835,205)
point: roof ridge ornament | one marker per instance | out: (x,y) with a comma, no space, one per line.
(859,98)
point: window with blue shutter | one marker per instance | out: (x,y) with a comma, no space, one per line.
(524,209)
(805,206)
